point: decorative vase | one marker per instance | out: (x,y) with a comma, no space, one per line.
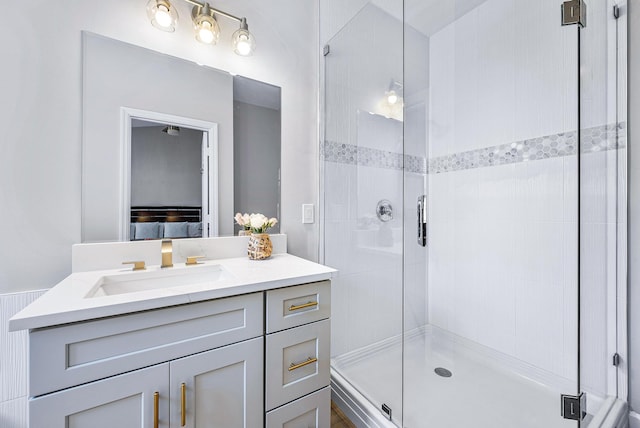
(244,232)
(260,246)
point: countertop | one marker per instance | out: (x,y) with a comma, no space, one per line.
(67,302)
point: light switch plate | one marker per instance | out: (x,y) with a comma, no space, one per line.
(307,213)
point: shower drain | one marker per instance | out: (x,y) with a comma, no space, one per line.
(441,371)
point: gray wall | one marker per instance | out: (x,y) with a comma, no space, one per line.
(256,154)
(634,207)
(165,170)
(122,75)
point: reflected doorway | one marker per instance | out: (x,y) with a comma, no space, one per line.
(170,177)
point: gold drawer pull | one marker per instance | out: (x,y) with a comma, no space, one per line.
(156,400)
(310,360)
(305,305)
(183,404)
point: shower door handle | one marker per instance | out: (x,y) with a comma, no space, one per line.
(422,220)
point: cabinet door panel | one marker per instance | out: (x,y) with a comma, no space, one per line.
(223,388)
(312,411)
(125,401)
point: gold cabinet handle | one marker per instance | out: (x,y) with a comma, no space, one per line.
(305,305)
(193,260)
(309,360)
(156,405)
(137,265)
(183,404)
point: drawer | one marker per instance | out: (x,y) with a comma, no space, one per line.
(297,362)
(312,411)
(65,356)
(293,306)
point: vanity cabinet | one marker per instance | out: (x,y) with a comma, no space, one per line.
(198,365)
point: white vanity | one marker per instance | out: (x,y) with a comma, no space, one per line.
(226,343)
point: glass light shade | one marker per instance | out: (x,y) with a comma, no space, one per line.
(207,29)
(243,42)
(163,15)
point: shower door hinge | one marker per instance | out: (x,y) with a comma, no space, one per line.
(616,359)
(574,407)
(326,50)
(386,409)
(574,12)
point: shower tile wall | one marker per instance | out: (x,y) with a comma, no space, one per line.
(503,239)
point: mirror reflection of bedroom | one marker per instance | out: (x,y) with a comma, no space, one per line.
(168,174)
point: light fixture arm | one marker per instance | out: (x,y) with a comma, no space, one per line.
(217,11)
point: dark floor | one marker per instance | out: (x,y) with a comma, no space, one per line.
(338,419)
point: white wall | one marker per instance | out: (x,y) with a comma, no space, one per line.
(117,75)
(41,84)
(165,169)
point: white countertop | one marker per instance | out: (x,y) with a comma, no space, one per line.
(67,302)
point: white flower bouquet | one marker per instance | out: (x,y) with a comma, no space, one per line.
(256,223)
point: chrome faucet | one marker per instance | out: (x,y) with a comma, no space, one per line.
(167,254)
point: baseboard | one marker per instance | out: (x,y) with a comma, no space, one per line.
(634,419)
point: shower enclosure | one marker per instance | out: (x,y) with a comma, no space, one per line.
(473,195)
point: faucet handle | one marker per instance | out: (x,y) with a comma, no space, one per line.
(193,260)
(137,265)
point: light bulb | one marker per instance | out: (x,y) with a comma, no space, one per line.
(243,46)
(163,17)
(392,98)
(205,34)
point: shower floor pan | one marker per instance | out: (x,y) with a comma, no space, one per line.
(485,389)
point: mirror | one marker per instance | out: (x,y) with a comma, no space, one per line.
(127,88)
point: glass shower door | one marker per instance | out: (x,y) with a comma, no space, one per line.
(602,169)
(491,110)
(362,160)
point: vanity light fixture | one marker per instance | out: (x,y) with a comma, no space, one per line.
(395,92)
(164,16)
(172,130)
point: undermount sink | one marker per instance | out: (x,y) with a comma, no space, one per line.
(131,282)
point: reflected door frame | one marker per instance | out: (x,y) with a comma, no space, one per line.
(209,165)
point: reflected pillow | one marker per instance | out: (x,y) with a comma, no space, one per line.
(175,230)
(147,230)
(195,230)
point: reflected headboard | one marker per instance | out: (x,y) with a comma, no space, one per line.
(168,214)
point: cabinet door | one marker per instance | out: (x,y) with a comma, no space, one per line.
(222,388)
(124,401)
(312,411)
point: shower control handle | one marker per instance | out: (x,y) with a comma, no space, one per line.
(422,220)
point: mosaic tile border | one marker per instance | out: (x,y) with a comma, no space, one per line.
(364,156)
(599,138)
